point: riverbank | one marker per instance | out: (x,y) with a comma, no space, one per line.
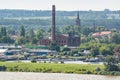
(51,67)
(52,76)
(55,68)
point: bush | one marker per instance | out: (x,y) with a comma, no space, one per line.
(112,67)
(3,68)
(97,69)
(111,64)
(33,61)
(62,62)
(44,61)
(115,73)
(89,72)
(56,62)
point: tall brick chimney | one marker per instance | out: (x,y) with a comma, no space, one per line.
(53,23)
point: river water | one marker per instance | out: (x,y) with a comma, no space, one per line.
(66,62)
(52,76)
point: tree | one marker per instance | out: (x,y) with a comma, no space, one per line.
(86,31)
(11,32)
(66,49)
(105,50)
(115,38)
(3,31)
(33,41)
(40,33)
(6,39)
(54,46)
(31,33)
(95,51)
(117,50)
(67,29)
(21,41)
(111,64)
(22,31)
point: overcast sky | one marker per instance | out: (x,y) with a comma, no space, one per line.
(67,5)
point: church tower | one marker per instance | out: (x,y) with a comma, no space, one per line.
(78,20)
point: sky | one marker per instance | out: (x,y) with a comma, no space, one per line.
(66,5)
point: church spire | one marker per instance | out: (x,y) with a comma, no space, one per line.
(78,15)
(78,20)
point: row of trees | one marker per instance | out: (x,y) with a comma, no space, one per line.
(30,37)
(4,38)
(23,36)
(97,48)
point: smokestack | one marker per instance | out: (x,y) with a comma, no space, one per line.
(53,22)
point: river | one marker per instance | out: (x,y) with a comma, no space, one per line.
(66,62)
(52,76)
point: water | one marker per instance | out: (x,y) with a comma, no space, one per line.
(66,62)
(81,62)
(52,76)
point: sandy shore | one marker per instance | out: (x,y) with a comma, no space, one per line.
(52,76)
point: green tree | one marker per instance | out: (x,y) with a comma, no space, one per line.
(115,38)
(21,41)
(85,31)
(95,51)
(40,34)
(11,32)
(54,46)
(22,31)
(33,41)
(111,64)
(116,50)
(65,49)
(31,33)
(105,50)
(3,31)
(67,29)
(7,39)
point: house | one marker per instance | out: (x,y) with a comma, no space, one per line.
(85,52)
(3,52)
(102,33)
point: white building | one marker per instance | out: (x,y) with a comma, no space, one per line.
(2,52)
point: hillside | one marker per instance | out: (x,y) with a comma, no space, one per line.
(39,18)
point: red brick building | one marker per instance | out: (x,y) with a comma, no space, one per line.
(63,39)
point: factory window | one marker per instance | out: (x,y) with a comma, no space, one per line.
(64,41)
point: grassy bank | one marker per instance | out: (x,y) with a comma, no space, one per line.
(55,68)
(51,67)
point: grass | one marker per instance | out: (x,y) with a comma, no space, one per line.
(51,67)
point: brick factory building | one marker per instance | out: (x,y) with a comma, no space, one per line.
(69,39)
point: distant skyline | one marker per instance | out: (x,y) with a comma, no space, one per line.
(66,5)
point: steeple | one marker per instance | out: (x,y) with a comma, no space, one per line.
(94,25)
(78,20)
(78,15)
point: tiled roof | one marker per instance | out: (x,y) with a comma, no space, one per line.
(101,33)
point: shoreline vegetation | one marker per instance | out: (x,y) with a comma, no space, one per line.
(56,68)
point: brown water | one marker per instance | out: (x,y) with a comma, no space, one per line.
(52,76)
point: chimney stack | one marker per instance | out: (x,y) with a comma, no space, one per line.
(53,23)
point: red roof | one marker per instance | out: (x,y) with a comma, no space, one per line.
(101,33)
